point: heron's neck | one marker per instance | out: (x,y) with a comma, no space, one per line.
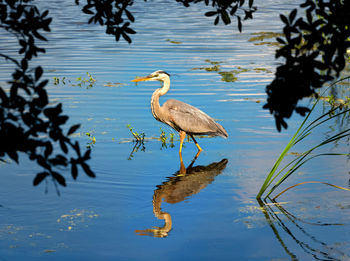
(155,106)
(157,201)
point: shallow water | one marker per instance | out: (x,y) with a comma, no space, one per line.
(212,208)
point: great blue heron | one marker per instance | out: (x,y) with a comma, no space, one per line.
(181,116)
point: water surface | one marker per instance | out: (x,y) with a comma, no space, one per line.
(212,208)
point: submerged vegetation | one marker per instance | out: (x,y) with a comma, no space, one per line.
(173,41)
(231,75)
(259,38)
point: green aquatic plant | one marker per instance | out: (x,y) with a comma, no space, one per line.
(165,139)
(173,41)
(259,38)
(138,140)
(214,66)
(228,76)
(138,137)
(92,140)
(57,80)
(88,81)
(304,130)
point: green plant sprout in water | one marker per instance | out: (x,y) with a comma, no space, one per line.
(304,130)
(138,137)
(57,80)
(92,141)
(138,140)
(88,82)
(164,139)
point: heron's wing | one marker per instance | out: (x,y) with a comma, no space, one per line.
(192,120)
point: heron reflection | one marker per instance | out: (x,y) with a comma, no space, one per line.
(183,184)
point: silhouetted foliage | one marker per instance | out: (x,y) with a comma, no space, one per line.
(112,14)
(225,9)
(28,123)
(314,51)
(117,18)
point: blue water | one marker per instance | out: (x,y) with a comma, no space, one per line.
(214,214)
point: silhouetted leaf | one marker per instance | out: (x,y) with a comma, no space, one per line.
(126,37)
(59,160)
(284,19)
(129,30)
(48,149)
(280,40)
(87,10)
(73,129)
(129,15)
(39,36)
(42,84)
(87,170)
(239,24)
(117,34)
(87,154)
(45,13)
(216,21)
(59,178)
(211,13)
(38,73)
(24,64)
(292,15)
(225,17)
(39,178)
(74,170)
(234,9)
(63,146)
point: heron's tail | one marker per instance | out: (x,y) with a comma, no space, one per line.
(221,131)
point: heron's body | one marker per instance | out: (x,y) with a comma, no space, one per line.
(181,116)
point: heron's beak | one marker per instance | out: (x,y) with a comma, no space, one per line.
(140,79)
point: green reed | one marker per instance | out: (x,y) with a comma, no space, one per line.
(276,177)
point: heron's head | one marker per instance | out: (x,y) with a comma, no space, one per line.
(155,76)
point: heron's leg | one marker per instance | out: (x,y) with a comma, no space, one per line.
(182,167)
(182,138)
(195,142)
